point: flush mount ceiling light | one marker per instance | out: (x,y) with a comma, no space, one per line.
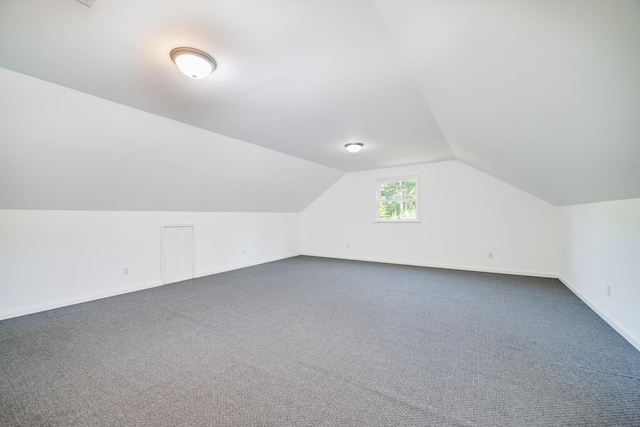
(192,62)
(354,147)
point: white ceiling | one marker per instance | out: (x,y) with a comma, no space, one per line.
(544,95)
(65,150)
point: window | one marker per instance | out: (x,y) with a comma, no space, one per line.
(397,199)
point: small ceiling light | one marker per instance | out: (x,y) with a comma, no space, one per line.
(354,147)
(192,62)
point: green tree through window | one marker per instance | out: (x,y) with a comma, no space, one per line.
(397,199)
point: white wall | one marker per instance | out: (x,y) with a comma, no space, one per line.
(600,247)
(85,184)
(465,215)
(51,259)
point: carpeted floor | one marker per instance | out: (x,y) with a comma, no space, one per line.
(321,342)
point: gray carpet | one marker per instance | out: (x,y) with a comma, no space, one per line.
(321,342)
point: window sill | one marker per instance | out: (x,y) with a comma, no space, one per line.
(383,221)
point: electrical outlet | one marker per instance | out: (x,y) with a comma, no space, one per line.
(244,252)
(490,254)
(347,246)
(125,271)
(609,291)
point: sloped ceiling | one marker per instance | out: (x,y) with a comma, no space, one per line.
(544,95)
(65,150)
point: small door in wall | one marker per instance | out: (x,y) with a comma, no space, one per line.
(178,260)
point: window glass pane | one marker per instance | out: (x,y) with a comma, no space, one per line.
(398,199)
(390,190)
(408,189)
(408,210)
(390,210)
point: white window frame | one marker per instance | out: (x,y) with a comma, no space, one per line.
(378,184)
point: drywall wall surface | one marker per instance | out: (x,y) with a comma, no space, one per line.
(465,215)
(600,260)
(62,149)
(50,259)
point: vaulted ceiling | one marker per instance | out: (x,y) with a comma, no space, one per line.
(544,95)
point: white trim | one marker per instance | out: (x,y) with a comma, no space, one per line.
(379,181)
(162,229)
(72,301)
(386,221)
(445,266)
(120,291)
(246,264)
(634,341)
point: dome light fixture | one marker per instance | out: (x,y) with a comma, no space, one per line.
(192,62)
(354,147)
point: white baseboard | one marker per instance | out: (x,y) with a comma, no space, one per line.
(96,296)
(246,264)
(634,341)
(99,295)
(71,301)
(445,266)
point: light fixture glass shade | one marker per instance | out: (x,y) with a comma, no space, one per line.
(354,147)
(193,63)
